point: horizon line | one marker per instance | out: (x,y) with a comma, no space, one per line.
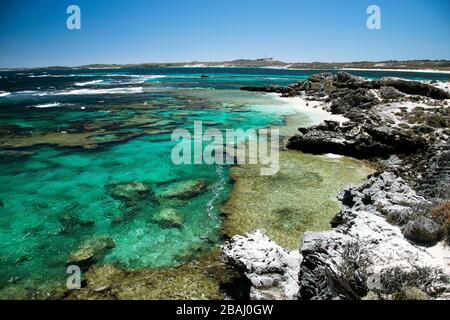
(167,64)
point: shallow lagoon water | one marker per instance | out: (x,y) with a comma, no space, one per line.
(301,197)
(88,152)
(57,181)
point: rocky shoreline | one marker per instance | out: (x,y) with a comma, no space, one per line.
(390,239)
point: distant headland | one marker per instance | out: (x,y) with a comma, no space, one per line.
(409,65)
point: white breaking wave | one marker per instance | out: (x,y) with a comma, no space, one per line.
(145,77)
(47,105)
(128,90)
(41,76)
(153,77)
(217,189)
(87,83)
(141,78)
(65,75)
(26,92)
(102,68)
(4,93)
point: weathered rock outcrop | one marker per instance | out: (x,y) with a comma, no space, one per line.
(90,252)
(423,230)
(390,93)
(387,117)
(272,270)
(361,228)
(383,194)
(436,177)
(363,252)
(275,89)
(410,87)
(359,141)
(381,239)
(327,82)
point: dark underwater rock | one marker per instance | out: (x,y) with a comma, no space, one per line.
(185,189)
(168,218)
(90,252)
(136,197)
(134,191)
(199,280)
(70,222)
(22,259)
(15,155)
(130,210)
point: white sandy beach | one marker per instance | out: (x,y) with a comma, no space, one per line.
(288,67)
(313,108)
(397,70)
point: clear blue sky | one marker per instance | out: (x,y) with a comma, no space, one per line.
(34,33)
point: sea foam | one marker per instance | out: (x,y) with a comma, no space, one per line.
(47,105)
(87,83)
(125,90)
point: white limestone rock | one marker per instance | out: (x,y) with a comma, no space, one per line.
(272,270)
(362,221)
(317,272)
(382,194)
